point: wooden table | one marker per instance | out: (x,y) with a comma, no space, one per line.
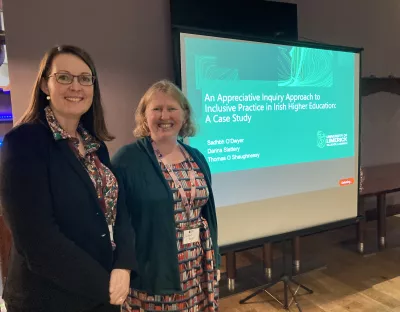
(378,181)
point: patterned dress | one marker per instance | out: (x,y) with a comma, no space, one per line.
(103,179)
(196,260)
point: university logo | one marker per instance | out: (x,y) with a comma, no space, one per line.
(324,140)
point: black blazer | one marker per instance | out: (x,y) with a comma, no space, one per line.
(61,256)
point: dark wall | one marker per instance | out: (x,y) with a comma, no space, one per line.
(248,17)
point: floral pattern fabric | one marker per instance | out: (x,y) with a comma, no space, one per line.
(103,179)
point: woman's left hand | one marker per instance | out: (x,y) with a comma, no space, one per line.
(119,286)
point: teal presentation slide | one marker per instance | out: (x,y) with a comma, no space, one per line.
(261,105)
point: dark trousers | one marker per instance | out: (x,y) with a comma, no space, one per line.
(101,308)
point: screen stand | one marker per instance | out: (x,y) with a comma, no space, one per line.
(287,279)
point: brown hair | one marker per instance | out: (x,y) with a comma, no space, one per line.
(165,86)
(93,120)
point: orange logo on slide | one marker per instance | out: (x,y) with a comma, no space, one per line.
(348,181)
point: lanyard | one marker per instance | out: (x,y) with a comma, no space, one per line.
(187,203)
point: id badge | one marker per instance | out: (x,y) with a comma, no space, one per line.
(111,230)
(191,236)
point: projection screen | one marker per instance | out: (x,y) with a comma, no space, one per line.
(279,127)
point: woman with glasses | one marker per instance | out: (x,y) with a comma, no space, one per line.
(72,241)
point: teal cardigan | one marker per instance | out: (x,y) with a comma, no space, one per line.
(150,203)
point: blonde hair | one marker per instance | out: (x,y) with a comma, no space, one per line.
(167,87)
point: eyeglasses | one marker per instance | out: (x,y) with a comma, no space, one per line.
(67,78)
